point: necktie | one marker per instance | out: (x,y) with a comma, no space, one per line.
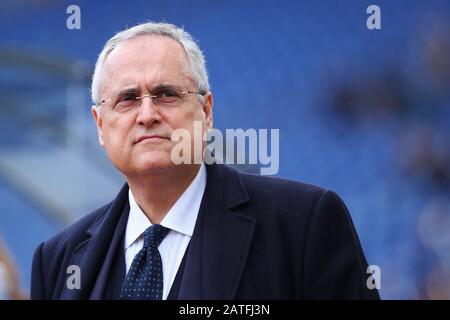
(144,280)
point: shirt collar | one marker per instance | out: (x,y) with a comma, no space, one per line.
(180,218)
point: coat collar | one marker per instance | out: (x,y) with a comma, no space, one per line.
(221,240)
(217,252)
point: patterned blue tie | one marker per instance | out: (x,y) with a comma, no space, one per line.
(144,280)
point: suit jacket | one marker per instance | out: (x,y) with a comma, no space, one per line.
(255,237)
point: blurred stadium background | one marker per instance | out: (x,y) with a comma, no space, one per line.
(363,112)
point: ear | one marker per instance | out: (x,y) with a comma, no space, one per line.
(98,120)
(207,109)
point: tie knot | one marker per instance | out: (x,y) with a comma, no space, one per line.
(154,235)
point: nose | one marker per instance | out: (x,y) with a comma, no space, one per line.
(148,113)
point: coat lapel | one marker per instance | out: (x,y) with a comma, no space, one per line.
(95,254)
(217,253)
(221,240)
(104,276)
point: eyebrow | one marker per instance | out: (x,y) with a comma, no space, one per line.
(137,90)
(127,90)
(165,86)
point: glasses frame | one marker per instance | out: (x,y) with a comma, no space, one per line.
(152,97)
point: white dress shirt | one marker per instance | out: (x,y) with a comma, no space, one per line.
(180,220)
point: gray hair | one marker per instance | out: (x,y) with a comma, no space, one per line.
(195,55)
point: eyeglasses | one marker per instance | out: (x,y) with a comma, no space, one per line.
(164,96)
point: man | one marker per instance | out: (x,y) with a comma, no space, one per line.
(191,231)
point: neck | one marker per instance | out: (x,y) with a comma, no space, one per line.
(156,193)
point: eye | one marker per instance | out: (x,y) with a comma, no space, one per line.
(128,97)
(166,95)
(125,101)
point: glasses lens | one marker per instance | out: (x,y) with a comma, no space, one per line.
(163,96)
(166,96)
(126,101)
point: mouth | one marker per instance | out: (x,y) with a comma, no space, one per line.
(150,138)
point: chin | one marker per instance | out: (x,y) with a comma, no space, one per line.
(154,164)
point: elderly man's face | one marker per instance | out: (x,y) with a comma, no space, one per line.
(140,65)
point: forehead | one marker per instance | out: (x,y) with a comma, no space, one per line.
(145,61)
